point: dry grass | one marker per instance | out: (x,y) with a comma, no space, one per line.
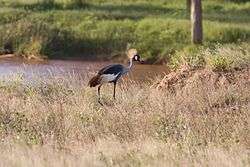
(115,153)
(58,122)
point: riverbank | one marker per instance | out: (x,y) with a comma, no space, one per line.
(61,29)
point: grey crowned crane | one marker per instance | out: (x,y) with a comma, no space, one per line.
(111,73)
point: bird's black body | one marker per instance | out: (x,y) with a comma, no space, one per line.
(114,69)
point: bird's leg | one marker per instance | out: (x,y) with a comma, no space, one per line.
(114,90)
(99,94)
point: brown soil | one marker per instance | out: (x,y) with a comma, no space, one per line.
(186,76)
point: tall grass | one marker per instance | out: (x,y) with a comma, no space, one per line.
(59,119)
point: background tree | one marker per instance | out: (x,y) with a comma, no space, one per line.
(188,3)
(196,21)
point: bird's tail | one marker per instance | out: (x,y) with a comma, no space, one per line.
(94,81)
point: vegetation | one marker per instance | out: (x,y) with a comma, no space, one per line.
(59,121)
(202,120)
(102,29)
(218,57)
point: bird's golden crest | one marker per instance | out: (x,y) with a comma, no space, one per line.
(131,53)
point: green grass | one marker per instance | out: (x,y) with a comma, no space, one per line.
(91,29)
(228,57)
(218,57)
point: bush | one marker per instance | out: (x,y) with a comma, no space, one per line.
(156,36)
(218,57)
(106,37)
(51,41)
(11,16)
(78,3)
(189,55)
(225,33)
(227,57)
(31,49)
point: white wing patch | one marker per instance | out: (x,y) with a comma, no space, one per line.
(108,77)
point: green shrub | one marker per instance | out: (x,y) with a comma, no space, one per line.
(31,49)
(108,36)
(218,57)
(10,16)
(52,41)
(77,3)
(227,57)
(155,36)
(219,63)
(225,33)
(189,55)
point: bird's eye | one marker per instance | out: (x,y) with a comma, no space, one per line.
(136,57)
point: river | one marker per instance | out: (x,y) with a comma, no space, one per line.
(85,69)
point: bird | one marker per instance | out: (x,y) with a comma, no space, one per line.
(111,73)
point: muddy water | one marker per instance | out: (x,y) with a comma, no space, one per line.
(85,69)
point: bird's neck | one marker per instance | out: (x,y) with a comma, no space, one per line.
(128,67)
(130,64)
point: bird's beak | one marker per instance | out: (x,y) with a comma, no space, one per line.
(141,61)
